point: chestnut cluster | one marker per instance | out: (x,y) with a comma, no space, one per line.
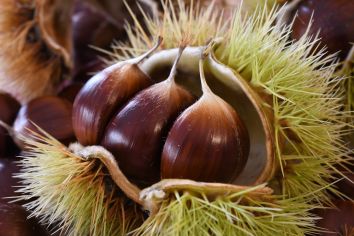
(159,130)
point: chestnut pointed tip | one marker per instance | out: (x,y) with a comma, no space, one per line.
(208,142)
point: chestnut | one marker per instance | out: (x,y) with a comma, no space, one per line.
(8,111)
(135,135)
(337,220)
(14,222)
(69,90)
(99,23)
(104,94)
(51,114)
(208,142)
(8,167)
(333,19)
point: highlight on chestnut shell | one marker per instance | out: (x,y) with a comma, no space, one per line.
(104,94)
(136,134)
(208,141)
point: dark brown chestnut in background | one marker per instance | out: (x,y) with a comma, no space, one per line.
(8,183)
(98,23)
(8,111)
(333,18)
(50,113)
(14,222)
(339,220)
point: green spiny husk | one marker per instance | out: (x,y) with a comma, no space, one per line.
(74,196)
(193,213)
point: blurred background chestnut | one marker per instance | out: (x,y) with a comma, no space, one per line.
(334,19)
(8,183)
(50,113)
(14,222)
(8,111)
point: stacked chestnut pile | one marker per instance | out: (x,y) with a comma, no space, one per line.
(159,130)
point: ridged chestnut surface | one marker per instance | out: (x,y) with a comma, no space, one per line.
(50,113)
(70,90)
(101,97)
(104,94)
(208,142)
(135,135)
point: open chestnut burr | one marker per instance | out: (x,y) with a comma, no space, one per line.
(233,95)
(103,94)
(144,128)
(288,106)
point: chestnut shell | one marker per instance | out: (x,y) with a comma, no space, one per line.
(8,168)
(334,19)
(208,142)
(136,134)
(14,222)
(50,113)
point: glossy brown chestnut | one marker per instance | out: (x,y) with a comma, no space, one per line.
(50,113)
(103,95)
(99,23)
(334,20)
(208,142)
(8,111)
(135,135)
(14,222)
